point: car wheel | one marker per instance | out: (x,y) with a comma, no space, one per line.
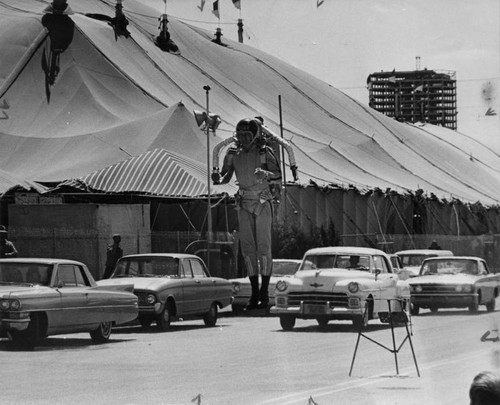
(145,322)
(102,333)
(360,321)
(414,309)
(322,322)
(474,307)
(287,322)
(490,306)
(433,309)
(164,319)
(29,337)
(210,318)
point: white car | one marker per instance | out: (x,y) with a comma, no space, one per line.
(242,289)
(454,282)
(412,260)
(340,283)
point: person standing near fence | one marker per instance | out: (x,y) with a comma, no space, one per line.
(7,248)
(113,253)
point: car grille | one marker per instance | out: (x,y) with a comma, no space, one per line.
(437,289)
(141,295)
(336,299)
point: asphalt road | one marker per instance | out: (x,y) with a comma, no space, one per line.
(250,360)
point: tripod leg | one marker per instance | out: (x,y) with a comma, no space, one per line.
(394,350)
(354,355)
(411,345)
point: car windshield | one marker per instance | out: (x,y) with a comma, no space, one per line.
(395,261)
(285,268)
(25,273)
(413,260)
(344,261)
(147,267)
(449,266)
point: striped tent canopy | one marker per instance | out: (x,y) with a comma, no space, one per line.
(156,172)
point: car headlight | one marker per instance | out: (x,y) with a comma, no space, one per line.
(416,288)
(459,288)
(10,305)
(281,285)
(4,305)
(150,299)
(236,288)
(468,288)
(15,305)
(353,287)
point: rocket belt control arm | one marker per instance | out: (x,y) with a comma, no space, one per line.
(268,135)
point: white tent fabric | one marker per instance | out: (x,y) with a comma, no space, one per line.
(117,97)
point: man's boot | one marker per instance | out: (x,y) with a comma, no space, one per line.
(254,299)
(264,294)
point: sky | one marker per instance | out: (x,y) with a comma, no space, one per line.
(342,41)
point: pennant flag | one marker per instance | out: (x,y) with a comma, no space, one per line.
(419,88)
(202,5)
(319,3)
(237,4)
(392,79)
(490,112)
(215,9)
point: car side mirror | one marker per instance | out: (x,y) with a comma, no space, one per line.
(377,273)
(60,284)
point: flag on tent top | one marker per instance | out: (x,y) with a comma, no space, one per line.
(215,9)
(202,5)
(237,4)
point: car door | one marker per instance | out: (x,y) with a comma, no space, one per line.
(486,281)
(203,285)
(73,296)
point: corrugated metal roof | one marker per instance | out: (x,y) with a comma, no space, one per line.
(156,172)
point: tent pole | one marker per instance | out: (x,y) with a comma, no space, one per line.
(282,158)
(209,203)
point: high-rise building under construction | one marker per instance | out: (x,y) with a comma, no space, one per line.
(415,96)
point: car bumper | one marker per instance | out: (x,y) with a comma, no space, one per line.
(309,311)
(243,300)
(444,301)
(14,324)
(150,309)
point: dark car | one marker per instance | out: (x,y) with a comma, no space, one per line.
(172,286)
(42,297)
(454,282)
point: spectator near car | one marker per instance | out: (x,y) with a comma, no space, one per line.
(113,253)
(7,248)
(485,389)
